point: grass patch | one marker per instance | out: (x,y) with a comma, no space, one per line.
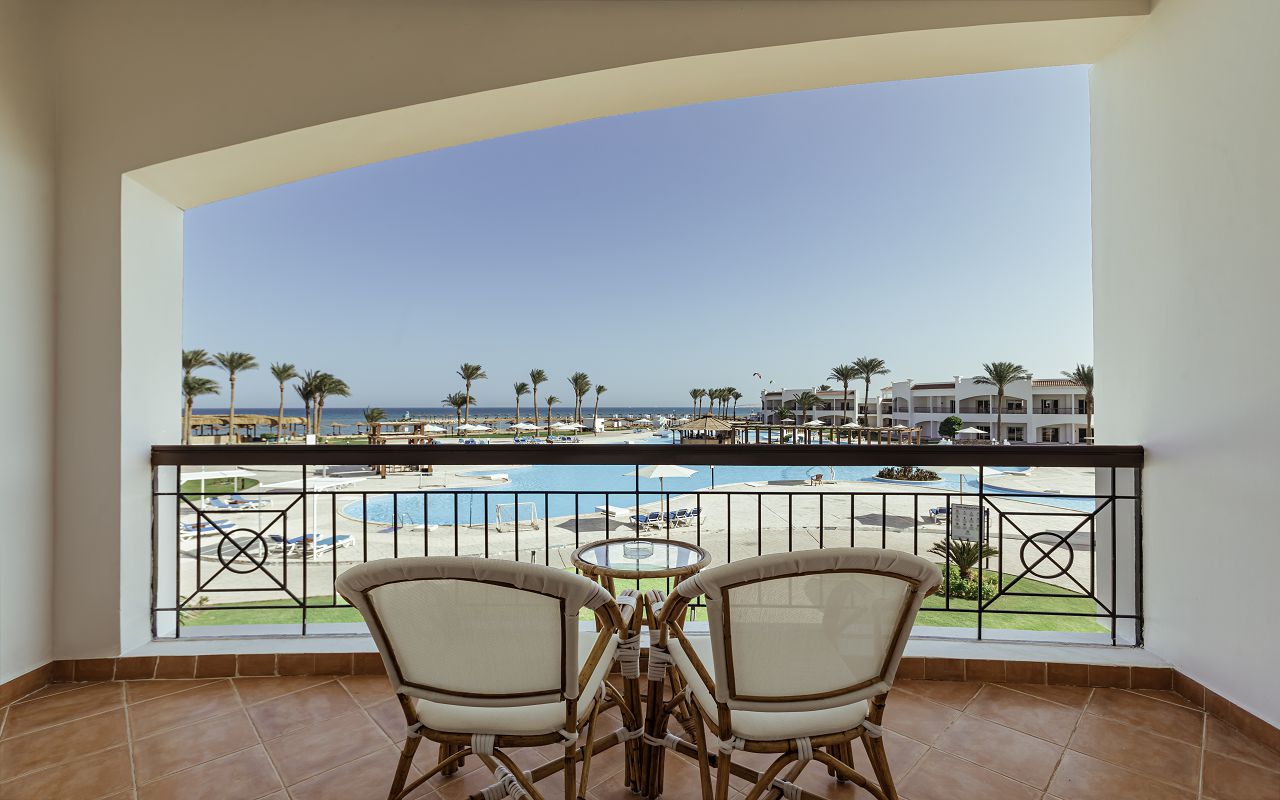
(215,487)
(992,618)
(284,612)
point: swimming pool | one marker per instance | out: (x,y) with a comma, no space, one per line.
(609,484)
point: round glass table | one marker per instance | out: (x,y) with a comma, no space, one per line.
(638,558)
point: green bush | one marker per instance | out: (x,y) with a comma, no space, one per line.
(950,425)
(907,474)
(967,588)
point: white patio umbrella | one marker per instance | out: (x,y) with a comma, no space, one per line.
(851,425)
(662,472)
(432,429)
(642,422)
(524,426)
(467,426)
(576,425)
(562,426)
(985,472)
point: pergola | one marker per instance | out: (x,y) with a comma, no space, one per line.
(706,430)
(765,433)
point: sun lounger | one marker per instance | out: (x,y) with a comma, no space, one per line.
(240,501)
(613,511)
(204,526)
(313,546)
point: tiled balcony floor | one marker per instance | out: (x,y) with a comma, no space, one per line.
(307,738)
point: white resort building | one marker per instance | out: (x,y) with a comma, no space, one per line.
(1039,410)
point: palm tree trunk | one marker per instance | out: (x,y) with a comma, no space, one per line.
(231,412)
(468,417)
(866,401)
(186,420)
(999,416)
(280,418)
(535,406)
(1088,415)
(595,415)
(319,415)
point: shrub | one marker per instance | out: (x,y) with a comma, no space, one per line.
(967,588)
(950,425)
(907,474)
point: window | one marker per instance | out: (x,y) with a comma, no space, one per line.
(1049,435)
(1015,434)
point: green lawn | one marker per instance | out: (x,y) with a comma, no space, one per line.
(285,613)
(215,487)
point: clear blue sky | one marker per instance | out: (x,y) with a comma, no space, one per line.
(935,223)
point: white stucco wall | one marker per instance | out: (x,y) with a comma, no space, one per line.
(26,338)
(1186,244)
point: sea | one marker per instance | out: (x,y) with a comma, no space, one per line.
(347,417)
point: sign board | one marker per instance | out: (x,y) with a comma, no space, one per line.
(966,522)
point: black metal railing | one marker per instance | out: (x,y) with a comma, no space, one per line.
(253,543)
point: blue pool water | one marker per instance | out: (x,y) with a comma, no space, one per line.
(601,484)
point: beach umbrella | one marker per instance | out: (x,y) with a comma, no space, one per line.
(971,429)
(985,472)
(644,421)
(467,426)
(563,426)
(662,472)
(432,429)
(851,426)
(524,426)
(814,423)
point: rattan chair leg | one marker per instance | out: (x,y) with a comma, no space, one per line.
(764,787)
(879,759)
(704,756)
(723,764)
(402,769)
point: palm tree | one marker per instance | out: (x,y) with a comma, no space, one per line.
(374,415)
(581,384)
(194,386)
(1000,374)
(845,374)
(868,368)
(234,362)
(600,389)
(551,401)
(521,389)
(328,385)
(537,376)
(736,395)
(192,360)
(309,382)
(726,396)
(1082,375)
(964,554)
(696,395)
(283,373)
(459,401)
(805,401)
(469,373)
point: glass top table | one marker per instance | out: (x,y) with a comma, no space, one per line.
(639,558)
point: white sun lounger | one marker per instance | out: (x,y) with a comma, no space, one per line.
(614,511)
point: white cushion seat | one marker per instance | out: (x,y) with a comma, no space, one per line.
(761,725)
(511,720)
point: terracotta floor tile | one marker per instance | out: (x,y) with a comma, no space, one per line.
(366,778)
(1167,696)
(87,778)
(1226,740)
(51,690)
(940,776)
(1022,712)
(390,717)
(367,689)
(49,746)
(1141,751)
(956,694)
(182,708)
(246,774)
(1167,719)
(1228,779)
(165,753)
(1082,777)
(141,691)
(325,745)
(291,712)
(916,717)
(1011,753)
(1071,696)
(65,707)
(259,690)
